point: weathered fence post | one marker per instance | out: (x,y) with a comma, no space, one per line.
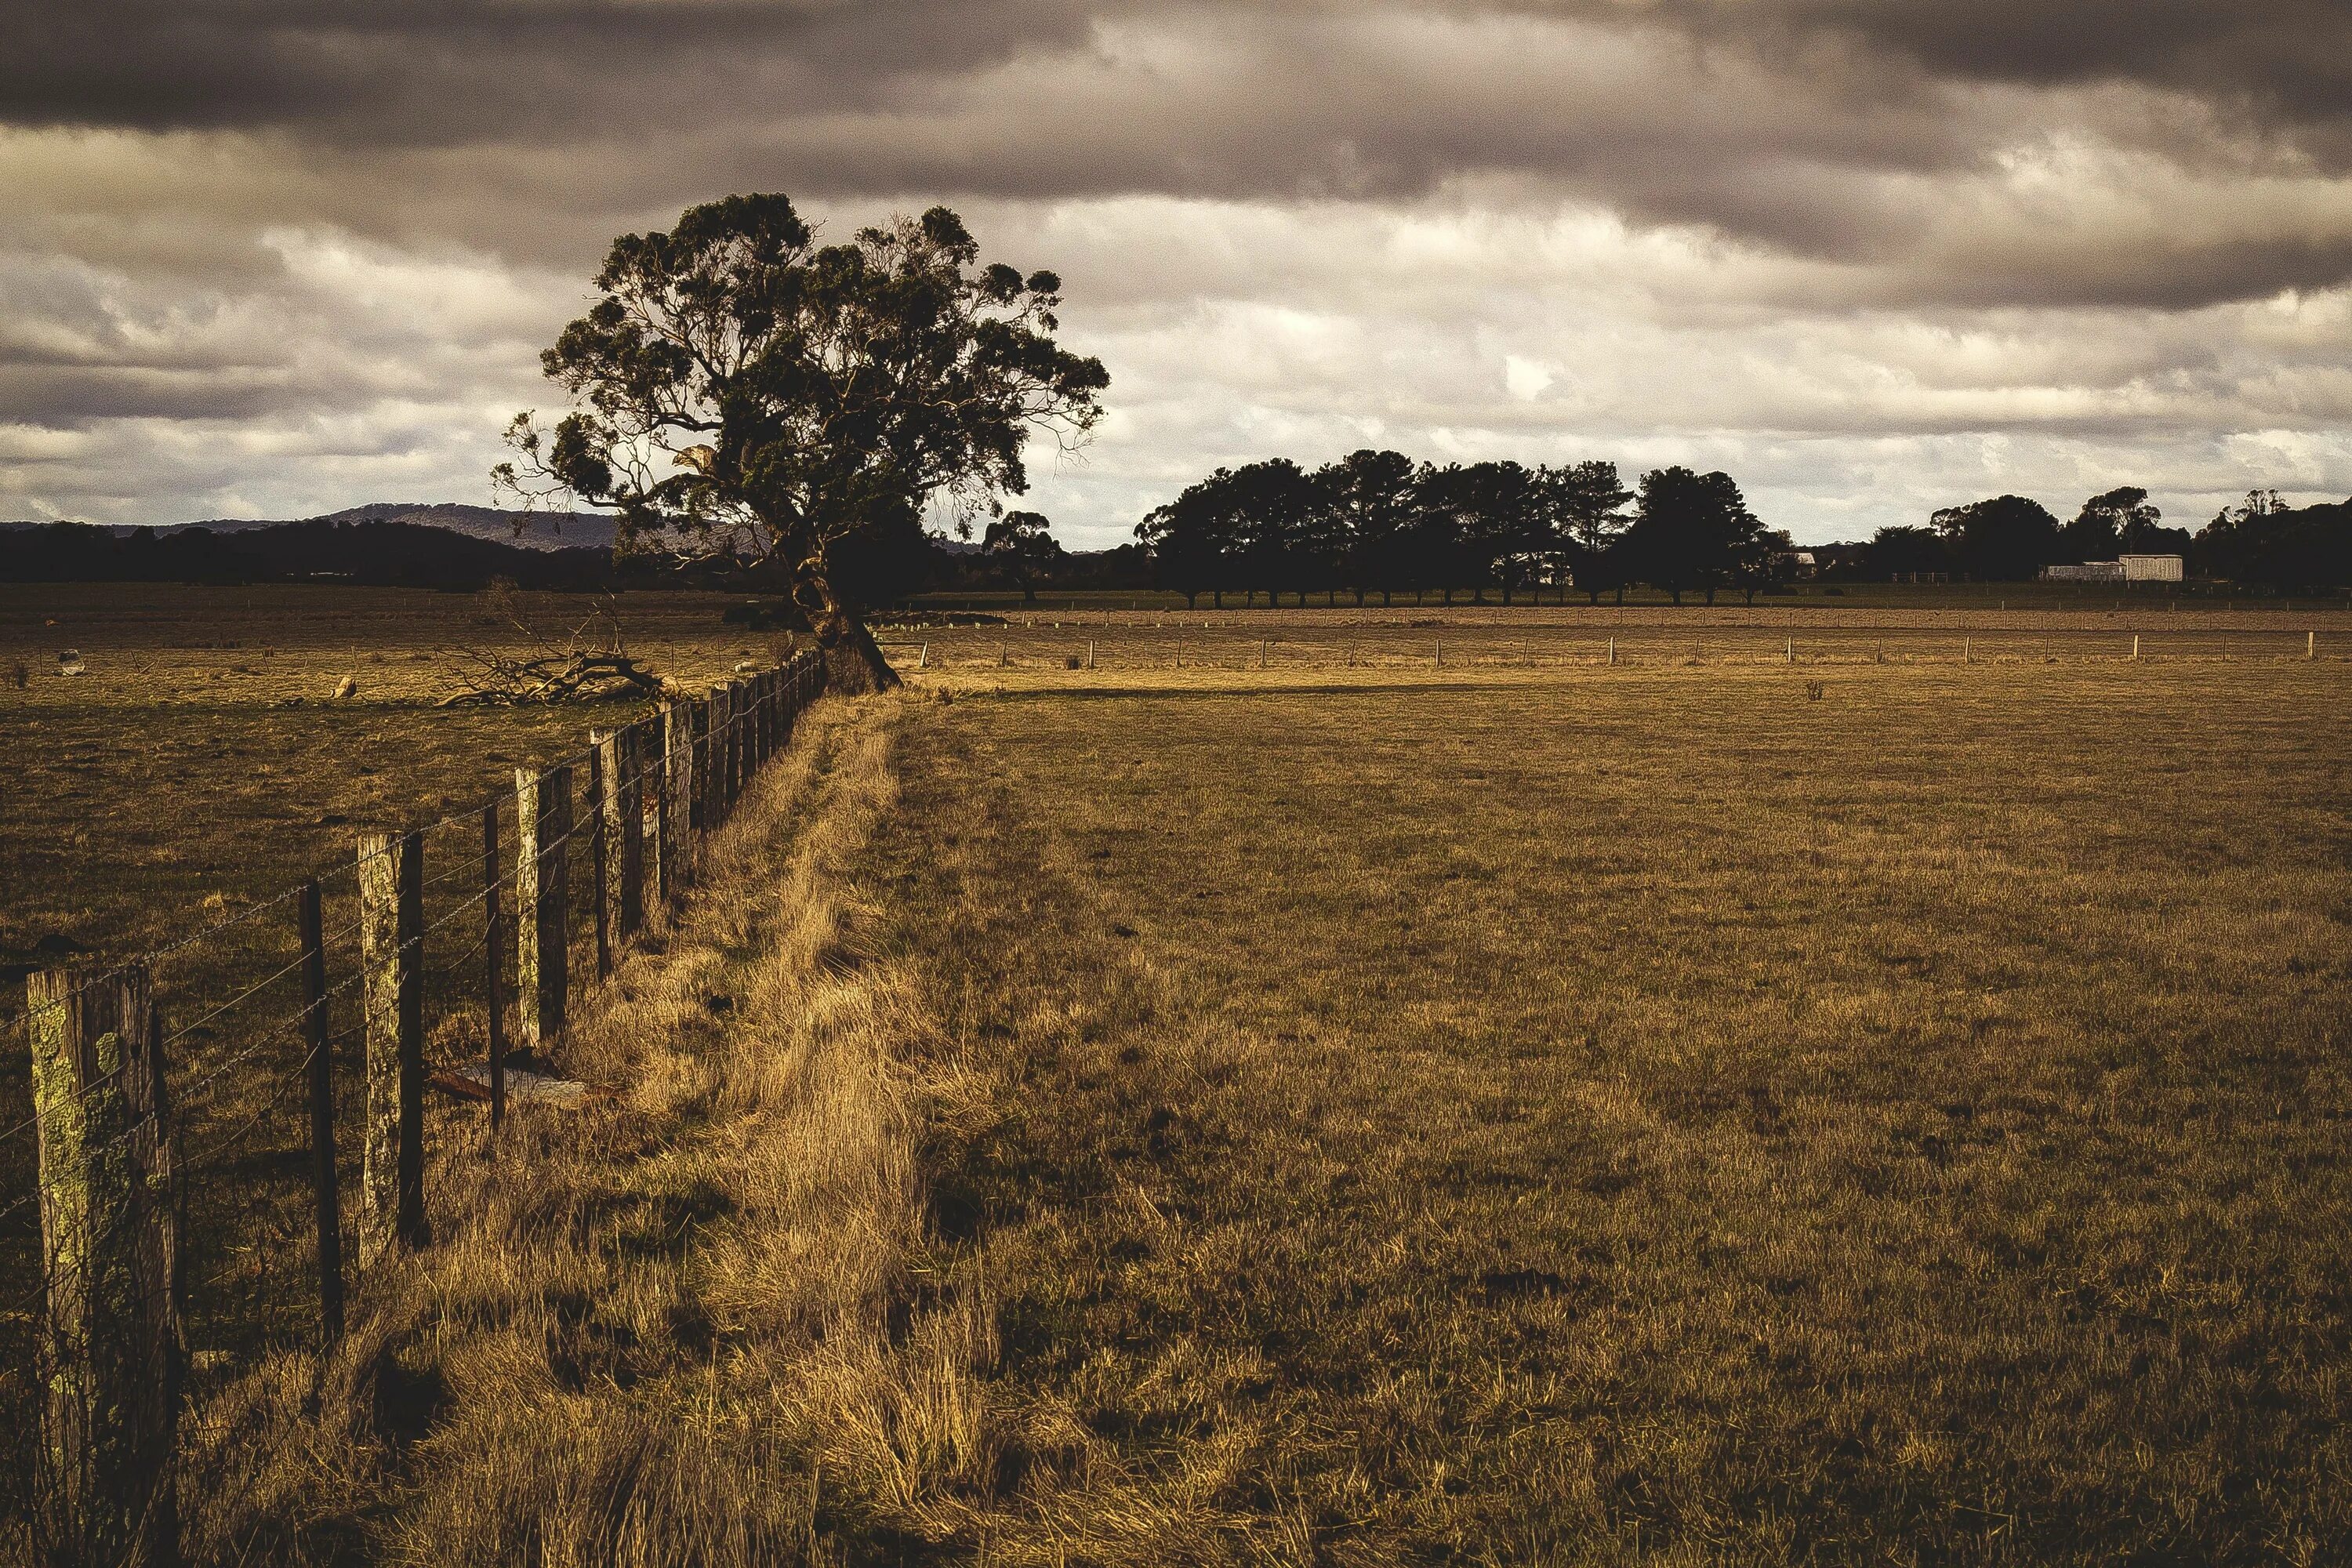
(391,955)
(653,811)
(714,809)
(747,715)
(326,1201)
(494,967)
(600,848)
(542,902)
(621,876)
(698,810)
(764,683)
(624,809)
(111,1357)
(678,795)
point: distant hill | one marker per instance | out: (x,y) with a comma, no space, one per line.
(526,530)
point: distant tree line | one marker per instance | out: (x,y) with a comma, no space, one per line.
(1376,523)
(2261,542)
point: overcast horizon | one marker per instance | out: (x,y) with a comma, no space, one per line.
(278,259)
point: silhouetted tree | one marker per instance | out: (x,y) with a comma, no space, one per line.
(1020,547)
(2266,543)
(1368,496)
(1903,550)
(1196,540)
(1588,505)
(2008,539)
(746,395)
(1690,531)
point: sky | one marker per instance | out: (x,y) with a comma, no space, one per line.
(274,257)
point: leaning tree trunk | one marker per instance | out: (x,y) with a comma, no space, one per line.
(852,661)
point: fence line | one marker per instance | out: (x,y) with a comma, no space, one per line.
(142,1159)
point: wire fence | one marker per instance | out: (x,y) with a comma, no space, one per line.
(369,1014)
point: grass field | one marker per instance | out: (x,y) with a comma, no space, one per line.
(1660,1119)
(1498,1112)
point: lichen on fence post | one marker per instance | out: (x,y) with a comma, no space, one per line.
(542,902)
(111,1357)
(391,956)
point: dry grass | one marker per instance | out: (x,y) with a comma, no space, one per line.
(1534,1115)
(700,1327)
(1663,1119)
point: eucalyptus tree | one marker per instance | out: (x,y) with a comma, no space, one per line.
(747,397)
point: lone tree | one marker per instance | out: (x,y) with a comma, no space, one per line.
(1020,545)
(746,397)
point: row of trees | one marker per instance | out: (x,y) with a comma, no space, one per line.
(2261,542)
(1375,523)
(2011,539)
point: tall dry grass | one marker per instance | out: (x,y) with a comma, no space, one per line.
(698,1326)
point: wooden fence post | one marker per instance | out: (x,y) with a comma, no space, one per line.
(494,967)
(392,953)
(714,809)
(747,717)
(698,810)
(542,902)
(678,795)
(621,878)
(600,847)
(111,1357)
(326,1199)
(653,811)
(764,683)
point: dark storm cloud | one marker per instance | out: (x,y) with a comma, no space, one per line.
(329,238)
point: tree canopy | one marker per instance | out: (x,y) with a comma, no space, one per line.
(744,395)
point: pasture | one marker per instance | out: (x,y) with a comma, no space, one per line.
(1652,1115)
(1367,1091)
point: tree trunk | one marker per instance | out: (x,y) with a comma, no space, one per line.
(853,663)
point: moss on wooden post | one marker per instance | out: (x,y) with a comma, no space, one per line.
(542,903)
(111,1357)
(391,956)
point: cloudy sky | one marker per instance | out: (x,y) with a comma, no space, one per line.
(272,258)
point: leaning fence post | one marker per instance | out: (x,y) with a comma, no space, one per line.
(677,794)
(326,1201)
(111,1359)
(600,846)
(542,902)
(391,951)
(494,967)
